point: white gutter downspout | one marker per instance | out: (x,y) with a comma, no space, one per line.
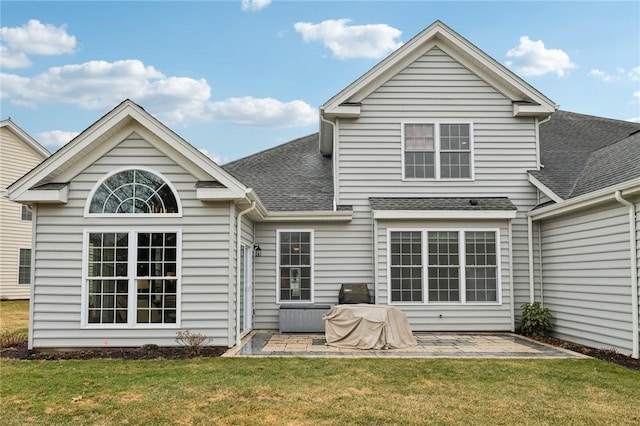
(530,247)
(334,158)
(238,283)
(634,272)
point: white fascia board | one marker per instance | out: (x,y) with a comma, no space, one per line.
(544,189)
(342,111)
(309,216)
(54,196)
(217,194)
(629,188)
(445,214)
(531,110)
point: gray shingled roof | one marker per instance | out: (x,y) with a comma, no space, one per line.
(568,144)
(441,203)
(289,177)
(610,165)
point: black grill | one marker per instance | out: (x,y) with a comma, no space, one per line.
(354,293)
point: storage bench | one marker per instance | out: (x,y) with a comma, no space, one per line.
(302,318)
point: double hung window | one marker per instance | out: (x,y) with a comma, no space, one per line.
(437,151)
(24,266)
(459,266)
(295,268)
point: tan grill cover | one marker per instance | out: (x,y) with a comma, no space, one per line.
(366,326)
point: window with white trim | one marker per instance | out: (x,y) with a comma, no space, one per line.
(295,268)
(437,150)
(134,192)
(459,266)
(24,266)
(26,213)
(132,277)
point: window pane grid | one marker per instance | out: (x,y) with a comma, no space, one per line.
(156,265)
(295,266)
(481,267)
(24,266)
(406,266)
(444,262)
(134,192)
(419,146)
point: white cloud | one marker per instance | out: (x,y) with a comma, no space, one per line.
(267,112)
(634,120)
(634,74)
(214,157)
(33,38)
(254,5)
(356,41)
(636,96)
(606,77)
(531,58)
(102,85)
(55,138)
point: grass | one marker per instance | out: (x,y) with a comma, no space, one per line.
(14,316)
(296,391)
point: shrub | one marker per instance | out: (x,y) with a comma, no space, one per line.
(192,341)
(535,320)
(149,347)
(12,339)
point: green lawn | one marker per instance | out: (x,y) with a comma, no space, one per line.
(312,391)
(14,316)
(296,391)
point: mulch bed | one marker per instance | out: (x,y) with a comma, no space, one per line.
(21,352)
(609,355)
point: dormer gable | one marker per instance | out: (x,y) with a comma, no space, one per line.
(526,100)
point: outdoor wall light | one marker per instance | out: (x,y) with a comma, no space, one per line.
(257,249)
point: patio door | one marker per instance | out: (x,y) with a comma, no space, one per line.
(246,288)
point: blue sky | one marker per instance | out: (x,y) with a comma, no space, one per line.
(236,77)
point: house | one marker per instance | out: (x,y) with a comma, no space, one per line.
(19,153)
(427,181)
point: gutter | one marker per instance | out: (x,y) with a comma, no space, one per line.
(634,272)
(238,283)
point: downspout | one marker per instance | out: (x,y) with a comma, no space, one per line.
(530,247)
(238,283)
(334,159)
(634,272)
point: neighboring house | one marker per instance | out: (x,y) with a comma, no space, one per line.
(424,182)
(19,153)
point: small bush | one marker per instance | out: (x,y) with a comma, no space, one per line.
(149,347)
(12,339)
(192,341)
(535,320)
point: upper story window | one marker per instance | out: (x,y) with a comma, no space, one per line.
(26,213)
(437,151)
(134,191)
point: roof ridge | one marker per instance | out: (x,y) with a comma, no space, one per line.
(267,150)
(597,117)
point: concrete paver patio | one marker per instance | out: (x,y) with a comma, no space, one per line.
(429,345)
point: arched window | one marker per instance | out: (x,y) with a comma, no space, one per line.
(134,192)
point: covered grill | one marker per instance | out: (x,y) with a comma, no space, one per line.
(354,293)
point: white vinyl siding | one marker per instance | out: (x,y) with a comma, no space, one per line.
(438,89)
(586,277)
(206,247)
(16,159)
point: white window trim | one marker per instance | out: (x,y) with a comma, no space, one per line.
(131,276)
(436,146)
(30,267)
(87,205)
(425,267)
(312,262)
